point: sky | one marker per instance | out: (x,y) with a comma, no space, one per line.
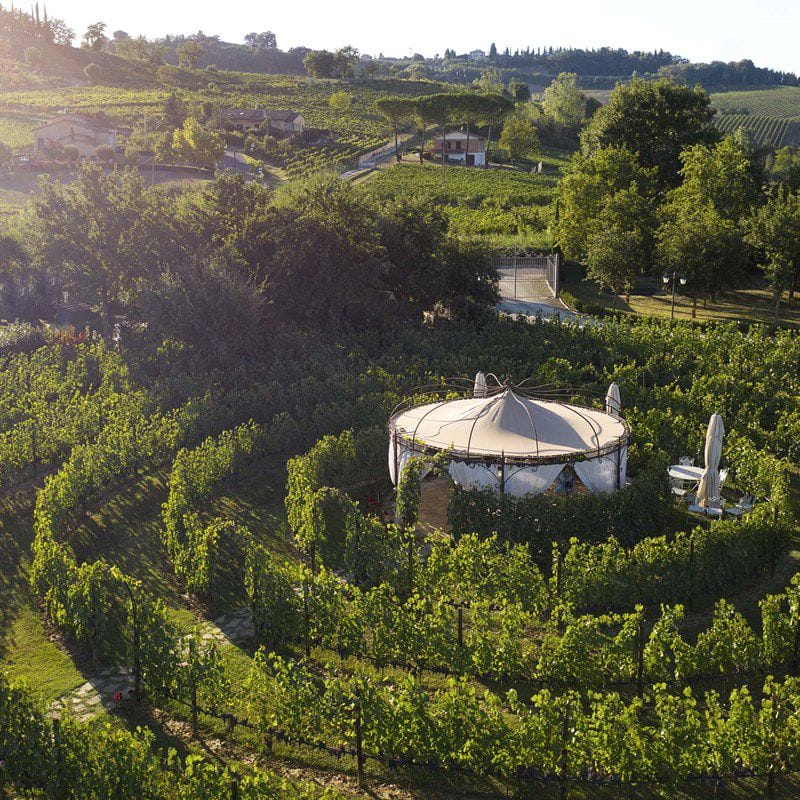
(768,32)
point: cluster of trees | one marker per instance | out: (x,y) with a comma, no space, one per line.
(656,189)
(34,26)
(732,73)
(218,267)
(326,64)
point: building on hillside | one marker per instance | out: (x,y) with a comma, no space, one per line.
(285,122)
(477,55)
(85,134)
(455,148)
(243,119)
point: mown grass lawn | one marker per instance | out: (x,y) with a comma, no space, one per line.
(753,303)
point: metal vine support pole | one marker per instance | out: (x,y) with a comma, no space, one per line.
(564,766)
(640,658)
(359,746)
(503,473)
(306,621)
(796,657)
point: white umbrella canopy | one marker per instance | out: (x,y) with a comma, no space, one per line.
(480,385)
(708,492)
(613,401)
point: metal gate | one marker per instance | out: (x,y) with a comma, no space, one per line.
(528,277)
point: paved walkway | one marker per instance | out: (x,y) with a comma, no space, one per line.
(104,691)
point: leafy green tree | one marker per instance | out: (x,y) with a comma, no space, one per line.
(620,245)
(262,41)
(103,232)
(468,108)
(190,52)
(587,187)
(563,102)
(316,253)
(340,102)
(495,109)
(699,243)
(194,144)
(519,138)
(490,82)
(722,174)
(657,120)
(344,62)
(319,63)
(519,91)
(175,111)
(785,168)
(33,57)
(440,109)
(93,73)
(773,229)
(396,110)
(94,38)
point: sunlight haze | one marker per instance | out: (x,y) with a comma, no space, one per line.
(700,31)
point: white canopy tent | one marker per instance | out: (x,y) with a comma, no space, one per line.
(512,443)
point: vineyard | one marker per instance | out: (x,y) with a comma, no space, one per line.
(360,129)
(506,207)
(642,649)
(764,130)
(780,102)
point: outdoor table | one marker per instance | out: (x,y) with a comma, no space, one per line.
(683,472)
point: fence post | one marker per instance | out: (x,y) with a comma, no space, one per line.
(234,787)
(359,747)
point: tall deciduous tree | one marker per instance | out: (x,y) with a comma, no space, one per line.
(396,110)
(190,52)
(657,120)
(196,145)
(519,138)
(319,63)
(699,243)
(563,102)
(103,232)
(773,230)
(585,191)
(95,35)
(440,109)
(723,174)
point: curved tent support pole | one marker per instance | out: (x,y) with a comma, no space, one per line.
(396,459)
(503,473)
(619,465)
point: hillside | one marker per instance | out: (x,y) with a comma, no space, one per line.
(771,116)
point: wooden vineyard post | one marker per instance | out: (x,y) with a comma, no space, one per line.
(234,788)
(359,746)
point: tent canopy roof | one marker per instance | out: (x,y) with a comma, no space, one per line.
(516,427)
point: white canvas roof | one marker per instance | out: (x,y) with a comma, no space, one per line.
(511,425)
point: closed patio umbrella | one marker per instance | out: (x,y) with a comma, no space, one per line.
(708,492)
(613,400)
(480,385)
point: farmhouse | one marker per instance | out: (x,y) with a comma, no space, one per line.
(285,122)
(83,133)
(455,148)
(243,119)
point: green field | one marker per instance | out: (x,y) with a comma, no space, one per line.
(504,206)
